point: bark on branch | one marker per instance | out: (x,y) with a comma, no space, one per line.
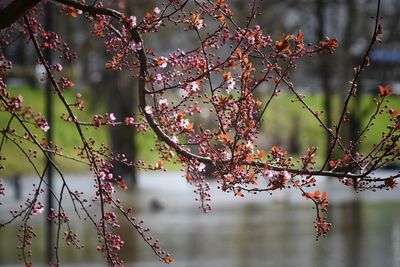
(15,10)
(143,73)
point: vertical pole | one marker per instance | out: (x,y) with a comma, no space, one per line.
(49,115)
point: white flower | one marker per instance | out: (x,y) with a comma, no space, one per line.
(231,85)
(286,175)
(163,102)
(175,139)
(156,10)
(45,127)
(193,87)
(111,117)
(162,62)
(148,110)
(199,24)
(201,167)
(184,123)
(250,145)
(132,21)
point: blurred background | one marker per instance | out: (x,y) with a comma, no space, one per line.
(259,230)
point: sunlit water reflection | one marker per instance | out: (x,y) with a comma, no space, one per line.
(259,230)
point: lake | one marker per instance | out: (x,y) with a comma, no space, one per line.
(258,230)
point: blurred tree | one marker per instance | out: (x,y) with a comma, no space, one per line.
(216,76)
(325,69)
(122,101)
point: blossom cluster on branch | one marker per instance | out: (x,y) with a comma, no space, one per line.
(220,76)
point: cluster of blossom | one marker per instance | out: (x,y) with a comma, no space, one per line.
(60,217)
(110,120)
(71,239)
(2,190)
(218,80)
(195,175)
(14,105)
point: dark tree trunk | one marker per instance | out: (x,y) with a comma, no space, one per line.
(325,70)
(122,102)
(348,64)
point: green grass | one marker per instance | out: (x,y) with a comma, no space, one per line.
(285,122)
(65,135)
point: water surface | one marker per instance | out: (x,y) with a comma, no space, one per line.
(259,230)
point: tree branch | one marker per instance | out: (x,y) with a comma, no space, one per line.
(14,11)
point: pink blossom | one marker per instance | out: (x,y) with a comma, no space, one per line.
(135,46)
(58,67)
(156,10)
(97,120)
(38,209)
(101,175)
(175,139)
(42,124)
(129,121)
(45,127)
(158,77)
(238,36)
(141,127)
(347,181)
(251,40)
(235,107)
(2,190)
(268,175)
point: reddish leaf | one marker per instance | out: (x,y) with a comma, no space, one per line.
(168,260)
(122,185)
(385,90)
(239,193)
(225,138)
(283,45)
